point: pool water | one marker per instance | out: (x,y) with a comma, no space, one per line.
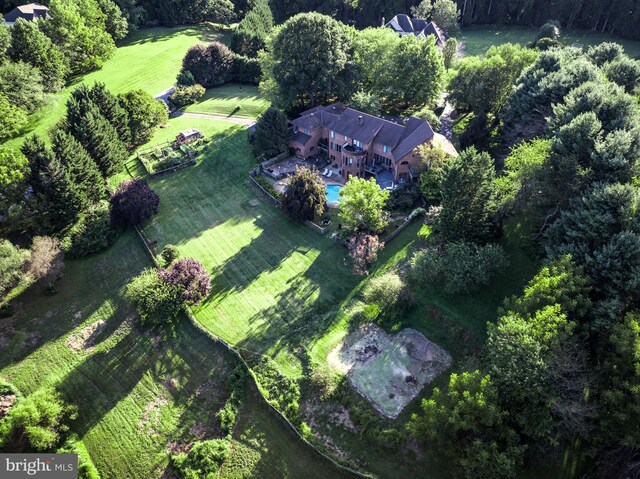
(333,193)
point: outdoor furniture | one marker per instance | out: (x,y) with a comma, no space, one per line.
(330,173)
(324,173)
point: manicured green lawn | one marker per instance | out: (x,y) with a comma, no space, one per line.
(226,99)
(149,59)
(478,40)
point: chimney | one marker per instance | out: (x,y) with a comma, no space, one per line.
(360,119)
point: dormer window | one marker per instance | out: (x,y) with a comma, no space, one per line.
(385,148)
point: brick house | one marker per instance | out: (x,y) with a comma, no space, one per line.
(359,144)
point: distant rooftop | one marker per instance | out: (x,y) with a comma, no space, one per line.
(405,25)
(31,11)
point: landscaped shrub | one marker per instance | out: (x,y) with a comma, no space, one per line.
(458,267)
(36,423)
(186,95)
(155,301)
(215,64)
(306,195)
(133,204)
(203,460)
(389,293)
(91,233)
(268,187)
(189,277)
(404,197)
(169,254)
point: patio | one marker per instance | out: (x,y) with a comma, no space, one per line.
(288,166)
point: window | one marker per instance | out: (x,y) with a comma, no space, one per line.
(385,148)
(333,134)
(350,161)
(306,131)
(338,148)
(357,143)
(358,162)
(333,157)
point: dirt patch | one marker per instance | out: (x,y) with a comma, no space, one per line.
(6,403)
(387,370)
(151,415)
(85,339)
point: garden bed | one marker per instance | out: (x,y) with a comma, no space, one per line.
(167,157)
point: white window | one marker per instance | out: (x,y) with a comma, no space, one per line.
(385,148)
(333,134)
(350,161)
(357,143)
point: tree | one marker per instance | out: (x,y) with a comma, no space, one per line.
(22,85)
(468,198)
(30,45)
(561,282)
(412,74)
(12,119)
(362,206)
(14,169)
(389,294)
(190,278)
(210,65)
(81,167)
(12,262)
(483,85)
(306,61)
(363,249)
(305,198)
(366,102)
(270,135)
(156,302)
(550,30)
(450,52)
(466,424)
(433,161)
(423,10)
(145,114)
(36,423)
(183,95)
(133,204)
(5,39)
(251,34)
(445,14)
(78,28)
(115,22)
(94,132)
(460,267)
(625,72)
(111,109)
(46,261)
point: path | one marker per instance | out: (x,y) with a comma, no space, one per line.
(446,118)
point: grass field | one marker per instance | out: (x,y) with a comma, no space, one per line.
(226,99)
(478,40)
(149,59)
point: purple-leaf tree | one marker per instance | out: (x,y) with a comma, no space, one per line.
(190,277)
(133,204)
(363,249)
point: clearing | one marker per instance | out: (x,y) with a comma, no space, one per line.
(389,370)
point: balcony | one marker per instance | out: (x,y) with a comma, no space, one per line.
(323,144)
(353,150)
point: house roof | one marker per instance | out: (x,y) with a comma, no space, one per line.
(299,137)
(402,139)
(405,25)
(31,11)
(189,132)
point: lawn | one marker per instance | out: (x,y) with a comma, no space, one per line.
(232,100)
(478,40)
(137,394)
(149,59)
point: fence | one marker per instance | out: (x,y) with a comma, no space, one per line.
(254,382)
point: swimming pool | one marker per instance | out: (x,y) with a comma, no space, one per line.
(333,195)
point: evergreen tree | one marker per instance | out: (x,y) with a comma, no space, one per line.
(82,168)
(112,110)
(30,45)
(270,135)
(39,157)
(306,197)
(468,198)
(96,134)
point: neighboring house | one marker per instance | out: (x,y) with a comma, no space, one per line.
(360,144)
(405,25)
(32,11)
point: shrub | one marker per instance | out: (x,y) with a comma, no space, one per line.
(37,423)
(12,261)
(46,260)
(156,302)
(245,70)
(306,196)
(459,267)
(203,460)
(185,78)
(190,278)
(281,391)
(404,197)
(389,293)
(268,187)
(546,43)
(186,95)
(550,30)
(91,233)
(428,115)
(133,204)
(363,249)
(215,64)
(169,254)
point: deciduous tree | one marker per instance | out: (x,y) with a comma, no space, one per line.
(133,204)
(362,206)
(305,198)
(145,114)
